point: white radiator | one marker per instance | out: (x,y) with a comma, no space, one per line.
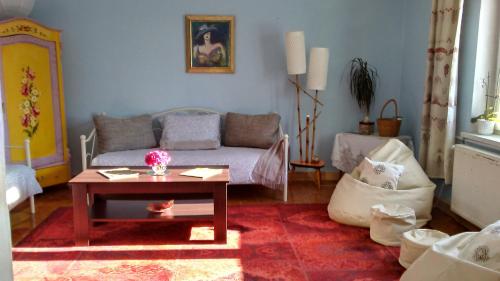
(475,194)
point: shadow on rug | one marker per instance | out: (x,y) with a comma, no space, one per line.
(278,242)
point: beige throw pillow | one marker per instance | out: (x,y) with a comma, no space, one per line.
(190,131)
(116,134)
(260,131)
(381,174)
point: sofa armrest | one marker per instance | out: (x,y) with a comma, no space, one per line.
(84,140)
(27,150)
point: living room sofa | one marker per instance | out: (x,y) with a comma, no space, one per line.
(240,159)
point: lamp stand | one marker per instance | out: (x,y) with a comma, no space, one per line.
(310,161)
(297,88)
(307,138)
(314,126)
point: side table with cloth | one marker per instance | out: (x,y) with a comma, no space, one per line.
(349,149)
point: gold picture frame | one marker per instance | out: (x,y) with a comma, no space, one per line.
(209,44)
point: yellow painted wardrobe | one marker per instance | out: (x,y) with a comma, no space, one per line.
(32,97)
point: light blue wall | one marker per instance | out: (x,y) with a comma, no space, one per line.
(127,57)
(416,32)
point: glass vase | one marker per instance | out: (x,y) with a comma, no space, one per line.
(159,169)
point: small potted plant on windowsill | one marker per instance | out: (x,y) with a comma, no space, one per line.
(486,121)
(362,86)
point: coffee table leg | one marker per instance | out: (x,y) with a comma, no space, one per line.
(80,214)
(220,214)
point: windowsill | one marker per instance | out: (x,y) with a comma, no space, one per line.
(491,141)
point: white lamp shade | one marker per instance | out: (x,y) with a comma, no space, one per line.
(295,52)
(318,69)
(15,8)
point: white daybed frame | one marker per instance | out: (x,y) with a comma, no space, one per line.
(92,138)
(27,151)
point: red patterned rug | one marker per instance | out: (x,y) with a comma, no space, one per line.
(265,242)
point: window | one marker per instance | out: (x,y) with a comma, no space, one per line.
(487,68)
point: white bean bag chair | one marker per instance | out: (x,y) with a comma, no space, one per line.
(389,222)
(443,262)
(415,242)
(352,199)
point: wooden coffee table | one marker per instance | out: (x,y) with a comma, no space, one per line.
(97,199)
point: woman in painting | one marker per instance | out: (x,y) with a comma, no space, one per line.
(206,52)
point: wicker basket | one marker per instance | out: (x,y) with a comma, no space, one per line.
(389,127)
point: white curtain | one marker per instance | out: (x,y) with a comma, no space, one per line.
(487,55)
(439,111)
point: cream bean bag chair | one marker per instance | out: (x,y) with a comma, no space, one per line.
(469,256)
(389,222)
(352,199)
(415,242)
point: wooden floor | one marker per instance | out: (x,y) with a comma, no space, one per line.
(300,191)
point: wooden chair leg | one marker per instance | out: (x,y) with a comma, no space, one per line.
(318,178)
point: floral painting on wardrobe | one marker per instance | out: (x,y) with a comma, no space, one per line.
(29,105)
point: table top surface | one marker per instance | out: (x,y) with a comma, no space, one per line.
(173,175)
(374,135)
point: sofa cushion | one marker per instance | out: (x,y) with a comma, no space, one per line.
(241,160)
(115,134)
(260,131)
(190,132)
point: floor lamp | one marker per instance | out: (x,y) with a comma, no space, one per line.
(316,80)
(296,65)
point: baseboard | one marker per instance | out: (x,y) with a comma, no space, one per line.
(445,208)
(309,175)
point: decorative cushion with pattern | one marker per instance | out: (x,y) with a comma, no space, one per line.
(260,131)
(190,132)
(381,174)
(117,134)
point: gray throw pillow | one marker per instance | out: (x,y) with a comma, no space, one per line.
(260,131)
(190,132)
(116,134)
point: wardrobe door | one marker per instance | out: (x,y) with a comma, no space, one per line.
(33,103)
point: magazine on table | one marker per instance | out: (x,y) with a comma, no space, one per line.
(119,173)
(203,173)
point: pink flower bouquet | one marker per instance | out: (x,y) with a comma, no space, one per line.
(158,161)
(157,157)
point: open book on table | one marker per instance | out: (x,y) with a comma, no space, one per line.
(119,173)
(203,173)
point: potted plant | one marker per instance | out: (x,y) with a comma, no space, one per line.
(363,83)
(486,121)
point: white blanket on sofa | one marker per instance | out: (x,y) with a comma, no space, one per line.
(241,160)
(270,169)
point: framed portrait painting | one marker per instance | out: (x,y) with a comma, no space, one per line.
(209,44)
